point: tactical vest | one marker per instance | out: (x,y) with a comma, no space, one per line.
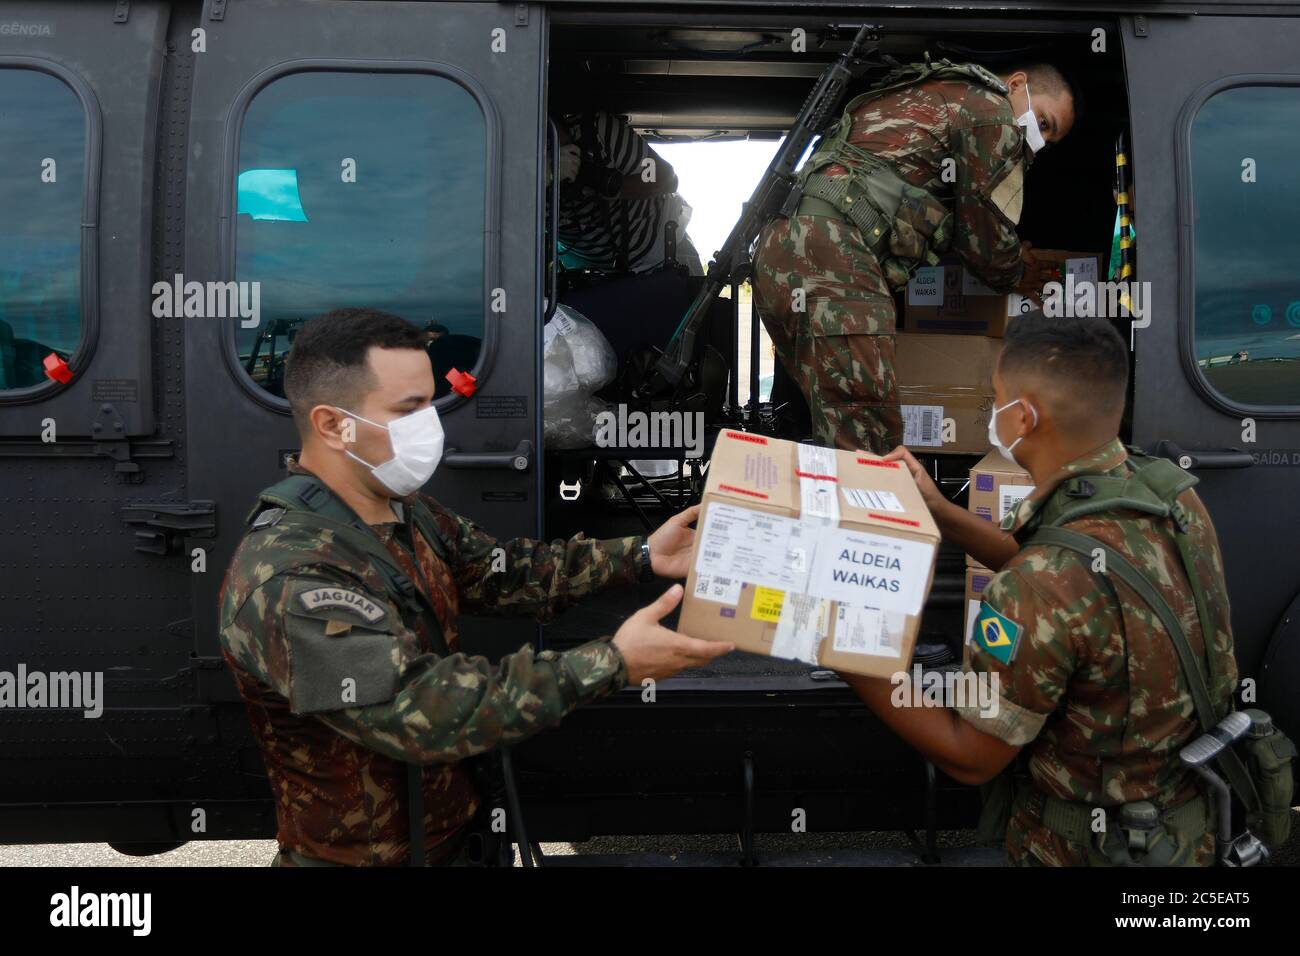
(304,503)
(903,224)
(1262,781)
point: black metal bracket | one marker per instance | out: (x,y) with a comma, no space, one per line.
(218,10)
(166,522)
(122,12)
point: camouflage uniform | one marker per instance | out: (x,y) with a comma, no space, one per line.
(338,770)
(840,348)
(1093,690)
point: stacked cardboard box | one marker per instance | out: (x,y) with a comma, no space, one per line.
(945,385)
(947,298)
(810,553)
(996,487)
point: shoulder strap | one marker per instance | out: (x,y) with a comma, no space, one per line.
(911,73)
(1229,762)
(309,504)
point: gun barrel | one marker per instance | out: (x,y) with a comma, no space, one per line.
(768,197)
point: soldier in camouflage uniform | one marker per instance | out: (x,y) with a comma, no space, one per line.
(1087,678)
(348,680)
(824,290)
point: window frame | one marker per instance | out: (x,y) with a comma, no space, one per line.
(228,217)
(1187,243)
(89,275)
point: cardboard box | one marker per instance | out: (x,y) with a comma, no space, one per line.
(945,377)
(948,298)
(1069,268)
(977,579)
(810,553)
(996,486)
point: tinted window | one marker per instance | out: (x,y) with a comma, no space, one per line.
(362,190)
(1247,236)
(42,179)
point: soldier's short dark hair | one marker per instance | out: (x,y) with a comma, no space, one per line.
(1080,364)
(1043,76)
(327,364)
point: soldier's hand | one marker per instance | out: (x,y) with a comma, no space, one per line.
(671,544)
(930,493)
(1036,274)
(651,650)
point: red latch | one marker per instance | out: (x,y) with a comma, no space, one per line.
(57,369)
(462,383)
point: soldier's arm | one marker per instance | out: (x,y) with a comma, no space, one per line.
(530,577)
(1016,685)
(367,680)
(988,197)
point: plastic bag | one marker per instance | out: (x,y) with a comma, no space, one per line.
(577,360)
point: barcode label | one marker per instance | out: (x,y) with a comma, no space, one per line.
(711,587)
(1009,496)
(923,425)
(867,499)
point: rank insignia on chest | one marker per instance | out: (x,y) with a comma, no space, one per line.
(319,599)
(997,634)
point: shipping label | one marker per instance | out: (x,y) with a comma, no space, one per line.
(868,630)
(870,500)
(862,568)
(801,627)
(923,425)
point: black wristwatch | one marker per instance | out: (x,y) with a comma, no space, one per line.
(647,570)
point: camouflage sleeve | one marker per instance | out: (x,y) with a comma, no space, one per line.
(988,197)
(529,577)
(349,661)
(1023,642)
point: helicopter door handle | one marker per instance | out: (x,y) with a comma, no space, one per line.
(1193,459)
(517,460)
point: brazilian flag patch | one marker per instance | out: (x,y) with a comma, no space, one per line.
(997,634)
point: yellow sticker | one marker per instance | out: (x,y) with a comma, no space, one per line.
(767,604)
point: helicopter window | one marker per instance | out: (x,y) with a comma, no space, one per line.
(362,190)
(1247,202)
(42,180)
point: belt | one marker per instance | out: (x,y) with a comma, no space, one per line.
(820,195)
(1073,821)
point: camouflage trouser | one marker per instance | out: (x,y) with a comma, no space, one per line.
(840,346)
(1029,843)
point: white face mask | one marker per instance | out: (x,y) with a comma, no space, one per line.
(1029,120)
(996,442)
(417,448)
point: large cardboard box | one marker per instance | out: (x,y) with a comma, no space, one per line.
(977,579)
(948,298)
(945,377)
(810,553)
(996,486)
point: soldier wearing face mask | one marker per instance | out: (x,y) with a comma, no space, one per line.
(931,160)
(1092,701)
(339,614)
